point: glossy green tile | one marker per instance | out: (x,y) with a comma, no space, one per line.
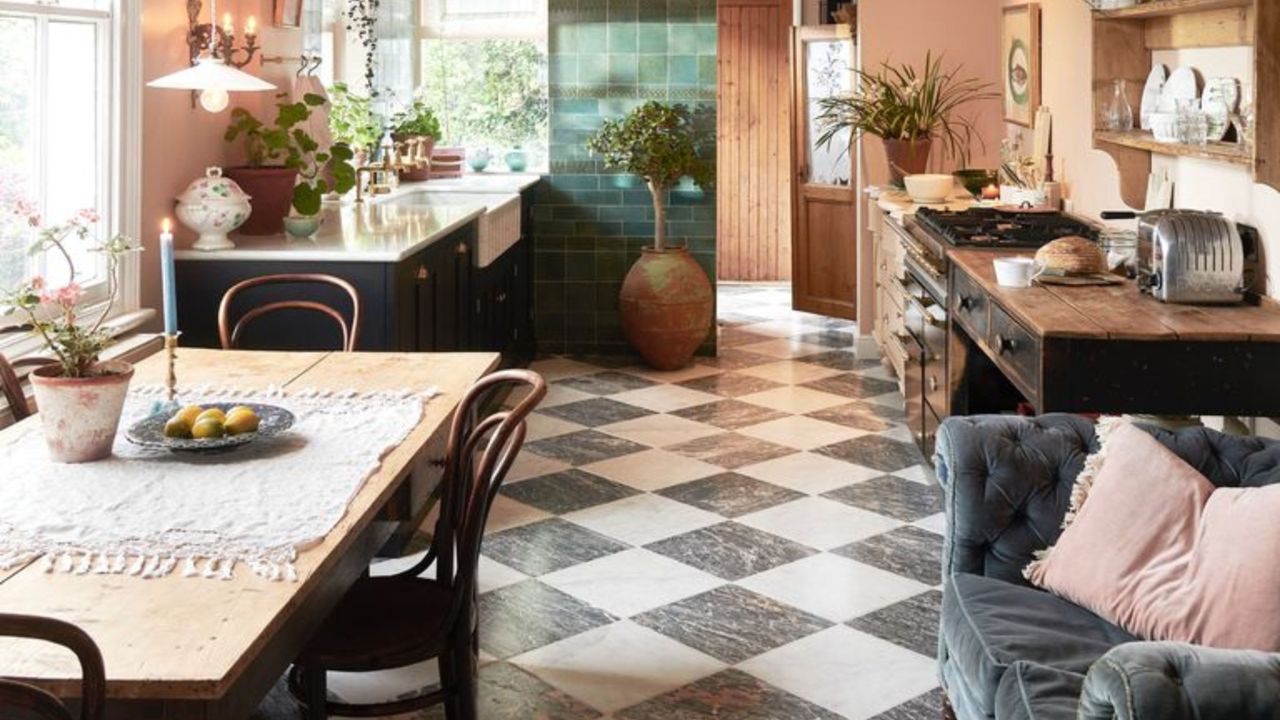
(653,69)
(623,69)
(592,38)
(682,70)
(593,69)
(622,10)
(622,37)
(682,38)
(707,70)
(651,37)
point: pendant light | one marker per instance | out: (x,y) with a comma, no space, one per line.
(210,75)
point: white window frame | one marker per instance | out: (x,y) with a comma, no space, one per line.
(120,148)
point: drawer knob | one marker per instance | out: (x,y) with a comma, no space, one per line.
(1003,344)
(933,384)
(965,302)
(422,272)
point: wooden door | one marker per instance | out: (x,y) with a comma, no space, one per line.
(753,187)
(824,248)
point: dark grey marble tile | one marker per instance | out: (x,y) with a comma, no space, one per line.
(730,494)
(529,614)
(583,447)
(564,492)
(730,384)
(924,707)
(731,450)
(605,383)
(735,359)
(596,412)
(893,496)
(828,338)
(735,337)
(612,362)
(873,451)
(727,695)
(861,415)
(548,545)
(731,551)
(908,551)
(853,385)
(839,360)
(912,623)
(506,692)
(730,414)
(731,623)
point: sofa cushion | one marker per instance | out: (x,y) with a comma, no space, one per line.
(990,624)
(1030,691)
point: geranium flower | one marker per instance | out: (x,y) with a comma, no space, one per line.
(37,283)
(88,215)
(67,296)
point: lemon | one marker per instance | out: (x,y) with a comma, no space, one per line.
(208,428)
(212,414)
(177,427)
(239,423)
(189,414)
(241,408)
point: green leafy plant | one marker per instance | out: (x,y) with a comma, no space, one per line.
(284,144)
(362,19)
(416,120)
(661,144)
(352,119)
(902,103)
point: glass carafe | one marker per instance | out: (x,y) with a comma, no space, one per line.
(1117,113)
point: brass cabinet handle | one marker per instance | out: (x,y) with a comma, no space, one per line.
(422,273)
(462,248)
(933,384)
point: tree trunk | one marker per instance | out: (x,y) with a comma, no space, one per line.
(659,216)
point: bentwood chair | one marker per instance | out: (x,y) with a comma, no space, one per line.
(230,335)
(34,701)
(394,621)
(11,385)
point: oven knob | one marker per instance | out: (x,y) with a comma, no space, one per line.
(1003,344)
(965,302)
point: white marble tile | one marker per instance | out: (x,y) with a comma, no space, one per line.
(631,582)
(802,433)
(558,368)
(562,395)
(530,465)
(689,372)
(922,474)
(642,519)
(784,348)
(792,372)
(890,399)
(539,426)
(933,523)
(780,328)
(795,399)
(665,398)
(809,472)
(652,469)
(848,672)
(618,665)
(833,587)
(659,430)
(491,575)
(507,513)
(819,523)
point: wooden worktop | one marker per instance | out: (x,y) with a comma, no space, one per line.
(1117,312)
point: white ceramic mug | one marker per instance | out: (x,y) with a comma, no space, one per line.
(1016,272)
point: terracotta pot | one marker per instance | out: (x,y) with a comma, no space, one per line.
(907,157)
(270,190)
(667,306)
(81,415)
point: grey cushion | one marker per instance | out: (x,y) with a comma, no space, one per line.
(988,625)
(1029,691)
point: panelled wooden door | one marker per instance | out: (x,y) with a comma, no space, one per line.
(824,248)
(753,182)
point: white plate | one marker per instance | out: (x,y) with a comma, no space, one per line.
(1151,94)
(1182,85)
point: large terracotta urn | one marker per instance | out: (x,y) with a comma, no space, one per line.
(271,191)
(907,157)
(80,415)
(667,306)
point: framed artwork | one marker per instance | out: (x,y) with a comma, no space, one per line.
(288,13)
(1020,62)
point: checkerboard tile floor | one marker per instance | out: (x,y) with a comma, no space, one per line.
(751,538)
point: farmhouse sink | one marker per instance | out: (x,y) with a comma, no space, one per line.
(499,226)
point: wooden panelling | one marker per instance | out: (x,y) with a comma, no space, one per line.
(753,195)
(1267,75)
(1214,28)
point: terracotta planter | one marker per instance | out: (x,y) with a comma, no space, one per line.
(270,190)
(80,415)
(667,306)
(907,157)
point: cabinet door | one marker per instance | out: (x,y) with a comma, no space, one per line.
(426,287)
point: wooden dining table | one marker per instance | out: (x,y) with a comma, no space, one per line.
(178,647)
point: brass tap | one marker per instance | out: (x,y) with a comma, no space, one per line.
(393,161)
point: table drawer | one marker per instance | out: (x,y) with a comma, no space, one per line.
(1016,349)
(969,304)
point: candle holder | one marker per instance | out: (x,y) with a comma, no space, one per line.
(171,374)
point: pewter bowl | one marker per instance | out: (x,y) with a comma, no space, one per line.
(149,432)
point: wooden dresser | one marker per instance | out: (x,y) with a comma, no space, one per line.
(890,295)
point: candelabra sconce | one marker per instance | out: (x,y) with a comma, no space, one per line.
(218,40)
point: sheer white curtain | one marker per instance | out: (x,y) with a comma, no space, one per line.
(481,19)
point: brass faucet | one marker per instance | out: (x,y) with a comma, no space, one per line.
(410,154)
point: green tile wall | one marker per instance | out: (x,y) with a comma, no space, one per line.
(607,57)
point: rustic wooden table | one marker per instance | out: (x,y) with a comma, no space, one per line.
(194,648)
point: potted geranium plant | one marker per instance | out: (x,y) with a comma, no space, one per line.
(666,298)
(80,397)
(286,166)
(909,110)
(352,120)
(417,122)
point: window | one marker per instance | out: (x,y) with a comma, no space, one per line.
(60,130)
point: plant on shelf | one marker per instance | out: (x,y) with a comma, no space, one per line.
(80,397)
(352,119)
(416,128)
(909,110)
(286,166)
(362,18)
(666,299)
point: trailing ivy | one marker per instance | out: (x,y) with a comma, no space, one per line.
(362,19)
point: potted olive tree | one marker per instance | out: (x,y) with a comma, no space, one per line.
(666,299)
(417,122)
(287,167)
(80,397)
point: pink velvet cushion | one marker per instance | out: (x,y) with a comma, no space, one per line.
(1155,548)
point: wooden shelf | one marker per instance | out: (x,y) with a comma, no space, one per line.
(1165,8)
(1233,153)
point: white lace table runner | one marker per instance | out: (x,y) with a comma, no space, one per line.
(150,512)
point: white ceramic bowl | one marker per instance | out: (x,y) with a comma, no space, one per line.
(929,189)
(1016,272)
(1164,126)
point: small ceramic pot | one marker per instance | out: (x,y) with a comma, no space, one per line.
(213,206)
(517,160)
(80,415)
(479,159)
(302,226)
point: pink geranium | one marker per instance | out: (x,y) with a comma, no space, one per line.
(88,215)
(67,296)
(37,283)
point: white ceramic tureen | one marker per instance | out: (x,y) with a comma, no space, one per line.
(213,206)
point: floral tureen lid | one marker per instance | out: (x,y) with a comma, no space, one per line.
(213,188)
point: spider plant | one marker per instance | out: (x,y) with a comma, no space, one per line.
(902,103)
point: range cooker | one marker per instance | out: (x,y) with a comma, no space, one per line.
(936,356)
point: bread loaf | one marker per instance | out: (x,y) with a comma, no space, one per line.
(1072,255)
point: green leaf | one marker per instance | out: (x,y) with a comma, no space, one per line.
(313,100)
(306,199)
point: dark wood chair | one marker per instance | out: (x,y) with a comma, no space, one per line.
(230,334)
(15,695)
(397,620)
(11,384)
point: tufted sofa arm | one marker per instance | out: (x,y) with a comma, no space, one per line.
(1173,681)
(1008,483)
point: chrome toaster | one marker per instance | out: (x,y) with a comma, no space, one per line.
(1187,256)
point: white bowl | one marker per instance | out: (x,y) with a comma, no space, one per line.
(929,189)
(1164,127)
(1017,272)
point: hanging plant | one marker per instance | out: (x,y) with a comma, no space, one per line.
(362,19)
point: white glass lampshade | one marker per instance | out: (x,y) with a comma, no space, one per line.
(212,74)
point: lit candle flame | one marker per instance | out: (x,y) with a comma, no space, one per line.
(251,26)
(164,226)
(226,23)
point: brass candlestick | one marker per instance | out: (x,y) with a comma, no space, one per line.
(171,357)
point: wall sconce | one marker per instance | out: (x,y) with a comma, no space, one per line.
(215,60)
